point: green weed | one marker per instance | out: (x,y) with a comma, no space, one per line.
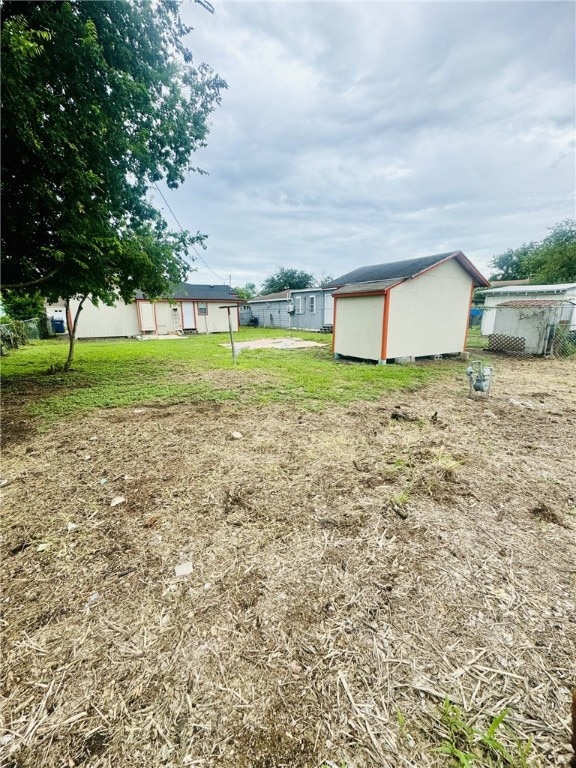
(468,746)
(400,500)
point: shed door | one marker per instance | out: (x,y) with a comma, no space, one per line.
(328,309)
(188,315)
(147,317)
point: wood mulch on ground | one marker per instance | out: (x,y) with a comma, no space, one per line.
(211,585)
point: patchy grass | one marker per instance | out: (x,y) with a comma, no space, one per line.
(125,373)
(467,746)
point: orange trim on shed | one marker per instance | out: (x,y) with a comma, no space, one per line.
(334,324)
(472,288)
(385,320)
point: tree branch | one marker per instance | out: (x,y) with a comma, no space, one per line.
(38,281)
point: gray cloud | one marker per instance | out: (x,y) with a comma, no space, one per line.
(354,133)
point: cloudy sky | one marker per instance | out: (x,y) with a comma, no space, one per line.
(358,133)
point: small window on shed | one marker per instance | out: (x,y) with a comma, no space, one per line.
(202,308)
(312,305)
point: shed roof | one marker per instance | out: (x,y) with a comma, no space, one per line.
(401,270)
(199,293)
(374,286)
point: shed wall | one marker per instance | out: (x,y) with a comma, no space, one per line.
(429,314)
(102,321)
(536,325)
(358,326)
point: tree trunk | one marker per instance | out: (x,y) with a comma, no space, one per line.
(72,332)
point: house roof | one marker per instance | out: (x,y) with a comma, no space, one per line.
(314,289)
(279,296)
(401,270)
(515,290)
(374,286)
(199,293)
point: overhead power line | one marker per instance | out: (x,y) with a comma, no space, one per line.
(183,230)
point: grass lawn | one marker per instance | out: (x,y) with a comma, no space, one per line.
(124,373)
(475,339)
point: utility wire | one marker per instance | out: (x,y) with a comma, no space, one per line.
(182,230)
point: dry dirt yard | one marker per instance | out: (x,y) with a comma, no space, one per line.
(342,573)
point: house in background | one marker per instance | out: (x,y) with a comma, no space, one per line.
(312,309)
(561,292)
(405,309)
(188,309)
(305,309)
(273,310)
(533,326)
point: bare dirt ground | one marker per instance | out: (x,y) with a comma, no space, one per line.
(343,573)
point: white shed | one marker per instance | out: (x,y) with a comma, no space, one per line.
(533,326)
(405,309)
(562,292)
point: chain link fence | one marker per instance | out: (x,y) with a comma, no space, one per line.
(16,333)
(525,327)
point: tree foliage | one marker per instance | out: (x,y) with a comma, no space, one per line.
(23,306)
(552,260)
(100,100)
(246,291)
(284,278)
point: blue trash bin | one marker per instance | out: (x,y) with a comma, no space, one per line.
(58,325)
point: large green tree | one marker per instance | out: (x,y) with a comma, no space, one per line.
(285,278)
(246,291)
(100,101)
(552,260)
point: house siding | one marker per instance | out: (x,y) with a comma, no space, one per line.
(216,320)
(143,316)
(323,314)
(271,314)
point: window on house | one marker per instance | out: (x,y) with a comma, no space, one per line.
(312,305)
(202,308)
